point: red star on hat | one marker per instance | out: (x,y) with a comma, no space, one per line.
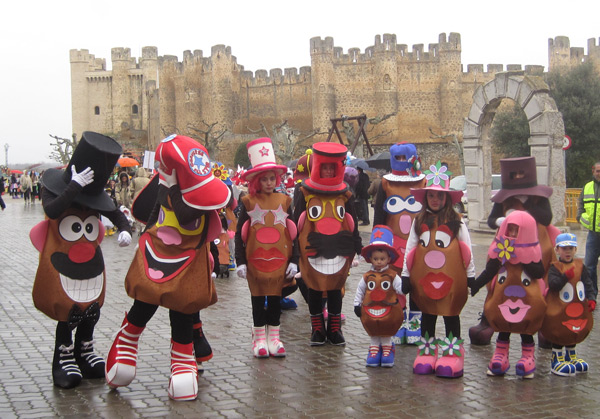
(264,151)
(378,234)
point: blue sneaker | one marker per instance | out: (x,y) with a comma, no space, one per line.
(560,366)
(288,304)
(387,355)
(374,357)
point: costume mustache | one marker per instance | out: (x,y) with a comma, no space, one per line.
(330,246)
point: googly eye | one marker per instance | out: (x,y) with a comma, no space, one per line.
(580,291)
(396,204)
(71,228)
(371,285)
(525,280)
(502,275)
(424,238)
(385,285)
(442,239)
(341,211)
(315,211)
(566,293)
(91,228)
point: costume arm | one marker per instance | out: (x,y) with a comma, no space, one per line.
(184,213)
(118,219)
(360,292)
(496,213)
(295,246)
(54,205)
(240,247)
(379,214)
(541,210)
(397,283)
(491,269)
(556,279)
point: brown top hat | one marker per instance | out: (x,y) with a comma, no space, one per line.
(519,177)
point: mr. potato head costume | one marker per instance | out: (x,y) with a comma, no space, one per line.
(438,262)
(70,283)
(328,238)
(377,298)
(515,302)
(266,254)
(172,266)
(396,207)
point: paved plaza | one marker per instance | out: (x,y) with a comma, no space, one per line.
(323,381)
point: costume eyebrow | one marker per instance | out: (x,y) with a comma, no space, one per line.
(371,276)
(386,276)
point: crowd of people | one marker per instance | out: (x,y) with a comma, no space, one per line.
(282,230)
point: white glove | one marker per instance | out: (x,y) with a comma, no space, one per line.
(355,262)
(171,179)
(499,221)
(124,239)
(85,177)
(213,275)
(241,271)
(291,271)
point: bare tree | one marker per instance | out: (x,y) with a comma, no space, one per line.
(62,148)
(348,128)
(457,145)
(209,135)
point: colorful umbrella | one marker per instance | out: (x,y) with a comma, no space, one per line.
(16,172)
(127,162)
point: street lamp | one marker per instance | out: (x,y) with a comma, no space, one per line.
(6,146)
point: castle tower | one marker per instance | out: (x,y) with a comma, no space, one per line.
(168,71)
(81,62)
(450,83)
(149,67)
(559,53)
(121,89)
(220,83)
(386,74)
(323,92)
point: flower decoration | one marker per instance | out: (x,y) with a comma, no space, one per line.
(437,175)
(450,345)
(220,172)
(505,248)
(414,168)
(426,345)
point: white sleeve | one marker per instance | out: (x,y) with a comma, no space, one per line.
(411,243)
(463,235)
(360,292)
(398,285)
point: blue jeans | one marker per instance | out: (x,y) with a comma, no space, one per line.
(592,253)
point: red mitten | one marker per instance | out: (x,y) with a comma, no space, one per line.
(570,273)
(591,305)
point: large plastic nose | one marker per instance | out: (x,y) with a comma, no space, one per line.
(574,310)
(435,259)
(328,225)
(169,235)
(377,295)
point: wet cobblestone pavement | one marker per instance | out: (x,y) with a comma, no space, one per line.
(323,381)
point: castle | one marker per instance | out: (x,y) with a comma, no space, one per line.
(140,101)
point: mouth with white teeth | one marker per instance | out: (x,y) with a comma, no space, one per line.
(83,290)
(327,266)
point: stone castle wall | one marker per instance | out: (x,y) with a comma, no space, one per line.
(142,100)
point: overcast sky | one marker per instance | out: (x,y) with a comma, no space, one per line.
(36,36)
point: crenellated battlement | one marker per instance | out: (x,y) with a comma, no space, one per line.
(276,76)
(562,55)
(84,56)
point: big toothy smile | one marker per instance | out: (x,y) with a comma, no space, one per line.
(83,290)
(327,266)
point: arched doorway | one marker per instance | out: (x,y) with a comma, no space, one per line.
(546,130)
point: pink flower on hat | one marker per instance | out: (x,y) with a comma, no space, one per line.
(437,174)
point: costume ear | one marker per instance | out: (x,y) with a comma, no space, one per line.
(38,235)
(465,252)
(245,228)
(214,225)
(410,258)
(350,221)
(301,220)
(291,228)
(101,232)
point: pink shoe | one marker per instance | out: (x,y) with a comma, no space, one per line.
(274,344)
(452,361)
(499,363)
(259,342)
(426,356)
(526,365)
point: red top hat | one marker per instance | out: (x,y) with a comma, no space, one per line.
(327,153)
(199,188)
(262,158)
(519,177)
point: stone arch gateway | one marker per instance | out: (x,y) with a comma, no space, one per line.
(546,130)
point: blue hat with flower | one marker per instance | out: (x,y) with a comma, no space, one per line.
(438,179)
(405,163)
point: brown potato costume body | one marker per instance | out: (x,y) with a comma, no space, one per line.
(382,315)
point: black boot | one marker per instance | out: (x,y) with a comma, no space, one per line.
(318,336)
(65,372)
(334,330)
(202,350)
(91,364)
(481,334)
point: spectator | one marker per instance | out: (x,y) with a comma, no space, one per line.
(362,195)
(588,214)
(26,185)
(374,188)
(122,190)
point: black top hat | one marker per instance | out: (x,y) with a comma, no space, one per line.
(98,152)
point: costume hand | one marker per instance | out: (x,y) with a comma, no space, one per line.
(170,179)
(357,310)
(124,239)
(591,305)
(291,271)
(241,271)
(83,178)
(472,283)
(213,275)
(405,285)
(499,221)
(355,262)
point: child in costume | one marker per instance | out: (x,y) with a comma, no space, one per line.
(396,207)
(438,262)
(376,301)
(328,238)
(70,283)
(520,191)
(570,300)
(264,246)
(515,302)
(172,266)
